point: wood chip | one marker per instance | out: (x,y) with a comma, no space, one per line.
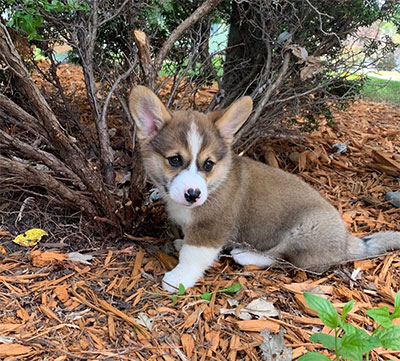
(258,325)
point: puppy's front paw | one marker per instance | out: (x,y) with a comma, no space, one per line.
(172,279)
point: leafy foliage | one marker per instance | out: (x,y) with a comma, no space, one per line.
(354,342)
(28,16)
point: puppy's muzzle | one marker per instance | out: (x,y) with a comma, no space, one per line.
(192,195)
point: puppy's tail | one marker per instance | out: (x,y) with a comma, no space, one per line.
(381,242)
(374,244)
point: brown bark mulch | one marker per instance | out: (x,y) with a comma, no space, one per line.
(53,307)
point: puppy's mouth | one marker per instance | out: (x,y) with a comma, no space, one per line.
(188,201)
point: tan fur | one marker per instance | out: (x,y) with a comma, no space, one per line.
(249,203)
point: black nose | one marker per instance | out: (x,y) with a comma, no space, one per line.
(192,195)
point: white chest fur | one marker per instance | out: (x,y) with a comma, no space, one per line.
(178,213)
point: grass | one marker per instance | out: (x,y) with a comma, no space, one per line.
(382,90)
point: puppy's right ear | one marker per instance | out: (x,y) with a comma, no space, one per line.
(147,111)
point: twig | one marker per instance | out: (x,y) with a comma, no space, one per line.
(320,21)
(114,15)
(267,95)
(112,90)
(177,33)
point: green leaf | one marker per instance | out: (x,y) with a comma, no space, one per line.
(327,340)
(353,333)
(381,315)
(351,356)
(232,288)
(396,312)
(206,296)
(350,329)
(357,343)
(174,299)
(314,356)
(346,309)
(325,309)
(390,337)
(84,6)
(181,289)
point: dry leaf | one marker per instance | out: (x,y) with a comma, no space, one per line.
(273,347)
(313,67)
(79,257)
(299,52)
(144,320)
(259,308)
(30,237)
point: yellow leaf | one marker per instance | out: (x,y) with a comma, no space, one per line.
(3,250)
(30,238)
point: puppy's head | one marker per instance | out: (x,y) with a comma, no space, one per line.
(185,153)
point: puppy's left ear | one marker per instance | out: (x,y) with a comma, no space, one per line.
(148,112)
(234,117)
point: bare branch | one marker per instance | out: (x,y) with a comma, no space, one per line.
(41,156)
(206,7)
(65,146)
(45,180)
(267,95)
(112,90)
(114,15)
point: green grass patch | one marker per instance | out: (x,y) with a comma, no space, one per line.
(382,90)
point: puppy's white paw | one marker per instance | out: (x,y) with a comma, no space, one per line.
(246,257)
(178,243)
(193,261)
(172,279)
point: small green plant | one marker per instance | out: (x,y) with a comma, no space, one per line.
(206,295)
(352,343)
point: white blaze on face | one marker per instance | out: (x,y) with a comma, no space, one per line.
(190,178)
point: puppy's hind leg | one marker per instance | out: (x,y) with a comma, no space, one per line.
(246,257)
(317,240)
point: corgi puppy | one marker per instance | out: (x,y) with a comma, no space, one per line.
(217,196)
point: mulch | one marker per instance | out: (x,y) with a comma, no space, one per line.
(55,307)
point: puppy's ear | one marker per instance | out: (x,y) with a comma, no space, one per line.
(234,117)
(147,111)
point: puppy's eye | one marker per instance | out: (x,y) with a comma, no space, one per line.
(208,165)
(175,161)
